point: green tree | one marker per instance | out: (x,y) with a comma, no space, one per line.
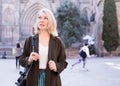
(69,23)
(110,26)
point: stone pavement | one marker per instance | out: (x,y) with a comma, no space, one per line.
(101,72)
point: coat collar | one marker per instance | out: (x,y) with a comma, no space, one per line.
(51,43)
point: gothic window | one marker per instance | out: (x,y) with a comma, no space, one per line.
(8,22)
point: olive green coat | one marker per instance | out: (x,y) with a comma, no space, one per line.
(56,52)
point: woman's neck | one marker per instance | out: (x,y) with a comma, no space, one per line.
(44,37)
(44,33)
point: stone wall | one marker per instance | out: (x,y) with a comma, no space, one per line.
(118,17)
(118,14)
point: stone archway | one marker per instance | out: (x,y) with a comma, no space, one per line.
(28,19)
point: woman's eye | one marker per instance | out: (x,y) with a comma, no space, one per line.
(39,17)
(42,18)
(45,18)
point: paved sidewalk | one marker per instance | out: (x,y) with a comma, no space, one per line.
(102,72)
(8,73)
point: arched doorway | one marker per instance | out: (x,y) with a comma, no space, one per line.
(28,18)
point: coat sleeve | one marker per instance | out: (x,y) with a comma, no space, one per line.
(61,64)
(26,53)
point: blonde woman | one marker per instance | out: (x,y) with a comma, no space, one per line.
(48,58)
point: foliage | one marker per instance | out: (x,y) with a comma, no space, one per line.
(110,27)
(69,23)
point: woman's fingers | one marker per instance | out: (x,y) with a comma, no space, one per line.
(33,57)
(52,65)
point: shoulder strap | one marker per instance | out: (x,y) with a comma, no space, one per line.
(33,43)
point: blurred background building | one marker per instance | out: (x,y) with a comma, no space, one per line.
(17,18)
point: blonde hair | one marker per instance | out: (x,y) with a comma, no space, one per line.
(52,25)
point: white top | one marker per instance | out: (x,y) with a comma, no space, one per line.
(86,50)
(43,56)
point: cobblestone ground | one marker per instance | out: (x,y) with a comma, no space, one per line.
(101,72)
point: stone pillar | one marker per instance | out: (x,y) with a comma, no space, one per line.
(0,20)
(98,29)
(118,14)
(118,17)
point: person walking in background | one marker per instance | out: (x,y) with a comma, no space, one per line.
(48,58)
(4,55)
(83,53)
(17,54)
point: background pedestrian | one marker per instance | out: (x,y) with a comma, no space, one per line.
(18,52)
(84,53)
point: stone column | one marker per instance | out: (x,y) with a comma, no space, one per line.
(98,29)
(118,17)
(0,20)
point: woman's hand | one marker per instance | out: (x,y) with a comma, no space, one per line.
(52,65)
(33,57)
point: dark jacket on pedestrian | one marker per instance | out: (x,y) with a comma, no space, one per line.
(56,52)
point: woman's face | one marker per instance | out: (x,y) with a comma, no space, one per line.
(43,21)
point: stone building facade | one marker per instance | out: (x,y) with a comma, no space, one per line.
(17,18)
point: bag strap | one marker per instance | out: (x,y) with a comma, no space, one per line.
(29,69)
(33,45)
(33,42)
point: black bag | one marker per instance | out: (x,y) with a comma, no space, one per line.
(23,75)
(83,54)
(21,81)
